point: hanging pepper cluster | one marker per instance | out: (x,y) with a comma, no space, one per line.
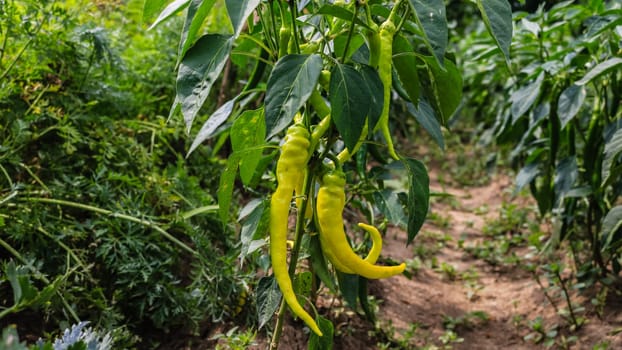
(330,202)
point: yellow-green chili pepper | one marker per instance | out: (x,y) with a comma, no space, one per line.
(330,203)
(289,172)
(284,35)
(387,30)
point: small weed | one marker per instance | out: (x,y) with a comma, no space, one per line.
(450,337)
(448,270)
(469,320)
(439,220)
(235,339)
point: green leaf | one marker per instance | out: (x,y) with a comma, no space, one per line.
(526,175)
(197,12)
(612,224)
(290,84)
(339,44)
(418,196)
(405,64)
(427,119)
(254,226)
(390,206)
(376,95)
(566,174)
(318,262)
(268,299)
(152,8)
(523,98)
(325,342)
(302,285)
(10,340)
(13,277)
(497,15)
(213,122)
(170,10)
(239,10)
(600,69)
(364,300)
(340,12)
(247,134)
(350,102)
(430,16)
(445,88)
(198,71)
(348,286)
(225,187)
(612,151)
(569,104)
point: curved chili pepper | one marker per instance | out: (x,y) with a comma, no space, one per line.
(330,203)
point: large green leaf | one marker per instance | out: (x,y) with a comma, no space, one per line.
(350,102)
(247,134)
(268,299)
(168,12)
(405,64)
(426,117)
(569,104)
(418,196)
(430,16)
(290,84)
(600,69)
(197,12)
(613,150)
(212,123)
(445,87)
(198,71)
(497,15)
(239,10)
(523,98)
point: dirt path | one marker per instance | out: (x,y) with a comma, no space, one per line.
(487,306)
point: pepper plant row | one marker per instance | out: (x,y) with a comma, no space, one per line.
(335,72)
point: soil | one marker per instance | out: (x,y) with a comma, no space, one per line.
(486,305)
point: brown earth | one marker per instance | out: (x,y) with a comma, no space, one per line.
(486,305)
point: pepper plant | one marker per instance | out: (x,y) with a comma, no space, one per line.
(329,74)
(564,121)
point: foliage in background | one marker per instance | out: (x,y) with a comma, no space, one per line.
(101,216)
(557,106)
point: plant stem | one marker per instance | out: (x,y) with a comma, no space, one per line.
(116,215)
(567,297)
(300,225)
(350,33)
(21,52)
(292,9)
(345,155)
